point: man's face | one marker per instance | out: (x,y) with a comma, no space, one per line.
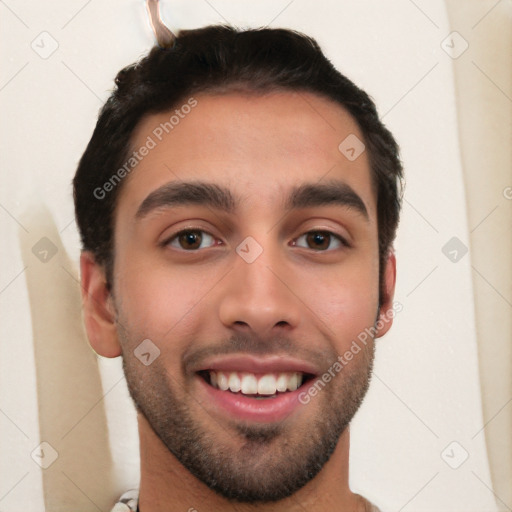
(257,278)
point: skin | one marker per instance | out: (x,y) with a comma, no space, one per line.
(258,147)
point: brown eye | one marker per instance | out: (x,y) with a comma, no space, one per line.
(320,241)
(191,240)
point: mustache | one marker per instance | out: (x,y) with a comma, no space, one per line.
(254,345)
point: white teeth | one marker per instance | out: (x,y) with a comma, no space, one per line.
(282,382)
(267,385)
(234,382)
(222,381)
(250,384)
(292,383)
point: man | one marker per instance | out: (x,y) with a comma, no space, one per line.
(237,205)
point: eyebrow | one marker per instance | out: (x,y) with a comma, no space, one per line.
(215,196)
(185,193)
(332,192)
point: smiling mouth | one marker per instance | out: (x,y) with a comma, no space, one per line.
(255,385)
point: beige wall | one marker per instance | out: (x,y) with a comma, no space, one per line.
(484,102)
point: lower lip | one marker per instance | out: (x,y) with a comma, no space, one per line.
(252,409)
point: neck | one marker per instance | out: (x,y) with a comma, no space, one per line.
(167,485)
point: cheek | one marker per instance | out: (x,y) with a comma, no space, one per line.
(346,299)
(160,302)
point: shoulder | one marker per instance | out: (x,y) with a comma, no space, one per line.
(368,505)
(127,502)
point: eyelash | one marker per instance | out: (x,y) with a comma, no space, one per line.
(343,243)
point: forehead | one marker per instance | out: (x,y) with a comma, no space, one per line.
(257,145)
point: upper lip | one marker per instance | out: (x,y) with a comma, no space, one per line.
(253,364)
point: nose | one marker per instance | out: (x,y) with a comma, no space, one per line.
(259,296)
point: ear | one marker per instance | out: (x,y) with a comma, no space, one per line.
(98,308)
(386,311)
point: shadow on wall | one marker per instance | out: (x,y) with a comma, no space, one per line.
(74,455)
